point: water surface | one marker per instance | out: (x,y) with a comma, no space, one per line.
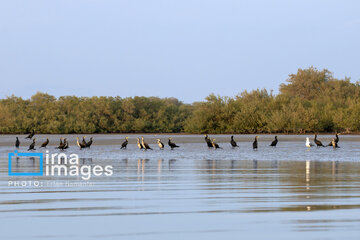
(288,192)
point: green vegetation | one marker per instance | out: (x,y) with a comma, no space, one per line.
(310,101)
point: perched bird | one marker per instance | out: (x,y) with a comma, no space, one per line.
(317,142)
(233,143)
(66,144)
(208,141)
(255,143)
(273,143)
(31,134)
(171,144)
(145,145)
(125,143)
(336,140)
(334,144)
(81,145)
(17,142)
(44,144)
(61,144)
(308,143)
(32,145)
(214,144)
(83,140)
(160,144)
(88,144)
(140,146)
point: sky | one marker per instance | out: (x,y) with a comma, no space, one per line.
(185,48)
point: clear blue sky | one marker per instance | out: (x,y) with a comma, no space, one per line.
(185,48)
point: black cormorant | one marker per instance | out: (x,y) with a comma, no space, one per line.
(336,140)
(208,141)
(17,142)
(66,144)
(61,144)
(83,140)
(233,143)
(255,143)
(88,144)
(333,143)
(171,144)
(32,145)
(44,144)
(140,146)
(273,143)
(145,145)
(317,142)
(214,144)
(80,144)
(125,143)
(160,144)
(31,134)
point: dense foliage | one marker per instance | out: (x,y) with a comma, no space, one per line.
(310,101)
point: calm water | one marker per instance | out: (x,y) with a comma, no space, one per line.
(288,192)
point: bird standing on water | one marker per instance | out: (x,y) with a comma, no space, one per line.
(336,140)
(208,141)
(30,136)
(81,145)
(44,144)
(160,144)
(317,142)
(66,144)
(308,143)
(273,143)
(145,145)
(125,143)
(233,143)
(32,145)
(88,144)
(333,143)
(140,146)
(171,144)
(17,142)
(255,143)
(214,144)
(61,144)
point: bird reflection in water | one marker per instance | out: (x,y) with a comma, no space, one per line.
(255,164)
(32,161)
(274,164)
(85,161)
(141,168)
(159,165)
(171,162)
(335,169)
(307,179)
(126,161)
(17,162)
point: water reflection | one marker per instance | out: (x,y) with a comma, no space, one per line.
(200,192)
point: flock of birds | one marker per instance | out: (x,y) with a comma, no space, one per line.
(142,145)
(333,143)
(64,144)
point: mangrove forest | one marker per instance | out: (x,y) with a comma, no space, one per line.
(311,100)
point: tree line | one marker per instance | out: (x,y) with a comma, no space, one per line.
(311,100)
